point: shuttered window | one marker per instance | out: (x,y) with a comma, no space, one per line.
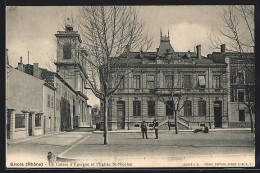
(216,81)
(169,81)
(137,108)
(187,81)
(202,108)
(202,81)
(150,81)
(151,108)
(136,81)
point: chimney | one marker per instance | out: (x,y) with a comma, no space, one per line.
(20,64)
(36,70)
(127,49)
(223,48)
(198,51)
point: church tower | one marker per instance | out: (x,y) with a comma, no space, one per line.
(71,57)
(71,67)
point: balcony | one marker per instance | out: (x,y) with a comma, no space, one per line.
(167,91)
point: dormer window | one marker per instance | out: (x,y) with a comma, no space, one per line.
(66,51)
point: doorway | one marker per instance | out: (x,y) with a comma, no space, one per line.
(218,114)
(120,115)
(30,125)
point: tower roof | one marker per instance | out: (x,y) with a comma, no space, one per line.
(165,45)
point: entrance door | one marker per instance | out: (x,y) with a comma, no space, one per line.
(218,114)
(30,125)
(8,125)
(120,115)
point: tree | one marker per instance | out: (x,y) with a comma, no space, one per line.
(175,93)
(108,33)
(237,32)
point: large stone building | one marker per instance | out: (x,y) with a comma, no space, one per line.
(146,91)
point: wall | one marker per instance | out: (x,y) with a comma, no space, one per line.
(48,110)
(24,92)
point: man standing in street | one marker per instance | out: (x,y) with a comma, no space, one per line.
(156,127)
(144,129)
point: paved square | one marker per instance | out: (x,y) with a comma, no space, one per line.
(218,148)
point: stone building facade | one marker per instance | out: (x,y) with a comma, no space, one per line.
(156,77)
(241,85)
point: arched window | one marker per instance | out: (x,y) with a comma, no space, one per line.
(66,51)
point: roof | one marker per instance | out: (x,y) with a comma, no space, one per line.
(204,60)
(165,47)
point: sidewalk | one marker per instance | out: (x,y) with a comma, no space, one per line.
(14,141)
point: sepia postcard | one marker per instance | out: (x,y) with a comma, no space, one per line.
(130,86)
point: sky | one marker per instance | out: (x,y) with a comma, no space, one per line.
(32,28)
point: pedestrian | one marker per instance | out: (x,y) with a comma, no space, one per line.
(156,127)
(169,125)
(144,130)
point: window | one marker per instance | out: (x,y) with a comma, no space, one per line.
(136,108)
(240,77)
(48,100)
(201,81)
(52,101)
(240,95)
(49,122)
(216,81)
(202,108)
(169,108)
(122,84)
(136,81)
(66,51)
(150,81)
(151,108)
(241,115)
(187,108)
(169,81)
(250,77)
(37,120)
(19,121)
(187,81)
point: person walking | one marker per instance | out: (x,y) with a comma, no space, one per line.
(156,127)
(169,125)
(144,129)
